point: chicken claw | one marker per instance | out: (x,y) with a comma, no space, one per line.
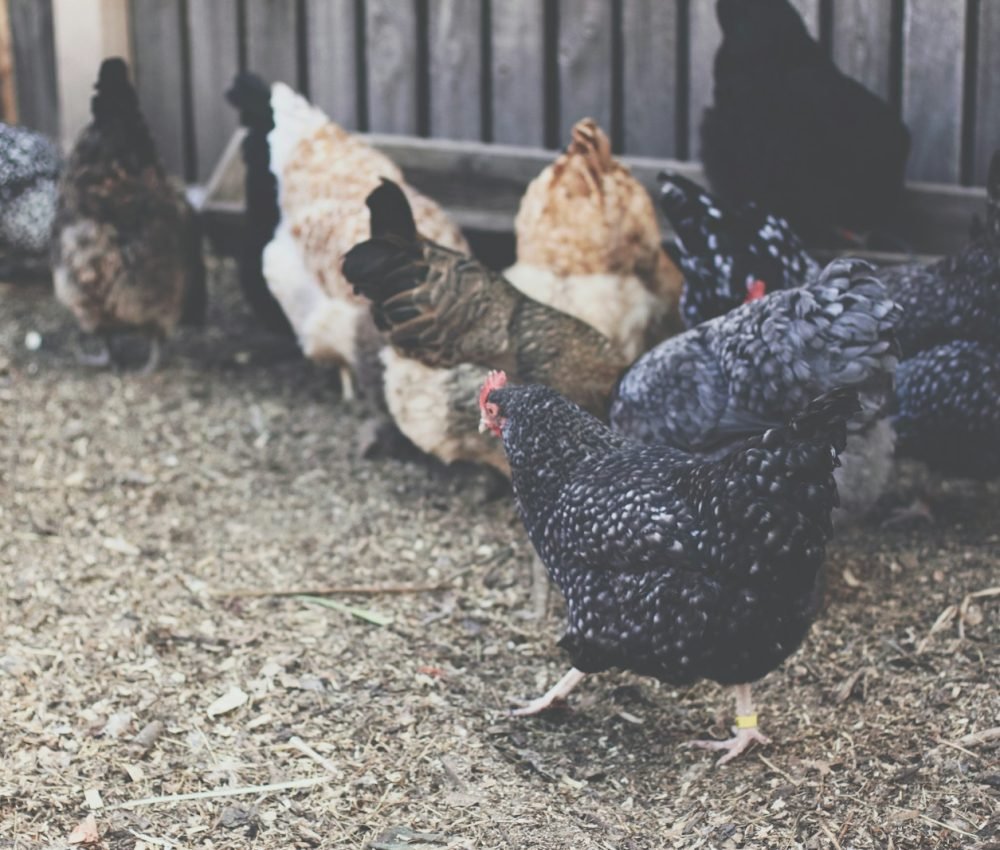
(556,694)
(742,738)
(745,732)
(97,359)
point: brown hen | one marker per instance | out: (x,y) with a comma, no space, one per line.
(588,243)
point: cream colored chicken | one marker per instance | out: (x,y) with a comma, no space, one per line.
(324,175)
(588,243)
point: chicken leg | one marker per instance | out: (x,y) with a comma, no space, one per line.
(745,732)
(541,589)
(153,360)
(97,359)
(556,693)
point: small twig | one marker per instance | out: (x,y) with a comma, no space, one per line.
(946,826)
(300,745)
(153,839)
(829,834)
(224,792)
(342,590)
(983,737)
(776,769)
(955,746)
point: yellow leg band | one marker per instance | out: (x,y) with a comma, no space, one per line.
(746,721)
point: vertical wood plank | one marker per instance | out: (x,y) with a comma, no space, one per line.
(933,40)
(156,34)
(649,35)
(214,45)
(391,49)
(518,48)
(809,10)
(8,85)
(861,42)
(585,33)
(272,51)
(35,64)
(456,58)
(84,34)
(987,130)
(333,59)
(705,37)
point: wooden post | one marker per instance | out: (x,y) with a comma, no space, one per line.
(8,87)
(86,32)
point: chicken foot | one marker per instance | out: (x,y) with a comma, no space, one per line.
(745,732)
(541,589)
(153,360)
(97,359)
(557,693)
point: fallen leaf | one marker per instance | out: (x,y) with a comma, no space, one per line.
(230,700)
(122,547)
(117,724)
(365,614)
(85,832)
(147,736)
(850,579)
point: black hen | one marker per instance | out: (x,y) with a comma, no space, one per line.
(946,394)
(707,389)
(252,97)
(729,254)
(674,566)
(948,408)
(789,131)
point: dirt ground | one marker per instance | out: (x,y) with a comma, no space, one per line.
(149,524)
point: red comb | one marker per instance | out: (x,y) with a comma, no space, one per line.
(494,381)
(756,289)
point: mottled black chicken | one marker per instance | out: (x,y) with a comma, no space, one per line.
(947,404)
(252,97)
(674,566)
(729,253)
(789,131)
(29,175)
(706,390)
(126,246)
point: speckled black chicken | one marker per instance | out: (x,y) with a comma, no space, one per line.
(674,566)
(29,173)
(791,132)
(705,390)
(126,247)
(947,404)
(729,253)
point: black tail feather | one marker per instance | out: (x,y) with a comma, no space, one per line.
(391,213)
(114,94)
(251,95)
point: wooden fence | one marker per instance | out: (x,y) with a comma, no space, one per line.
(521,72)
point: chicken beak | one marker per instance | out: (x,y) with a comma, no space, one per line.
(483,426)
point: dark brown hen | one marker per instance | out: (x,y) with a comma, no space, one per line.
(446,309)
(126,248)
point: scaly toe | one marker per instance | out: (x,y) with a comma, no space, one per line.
(535,706)
(733,746)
